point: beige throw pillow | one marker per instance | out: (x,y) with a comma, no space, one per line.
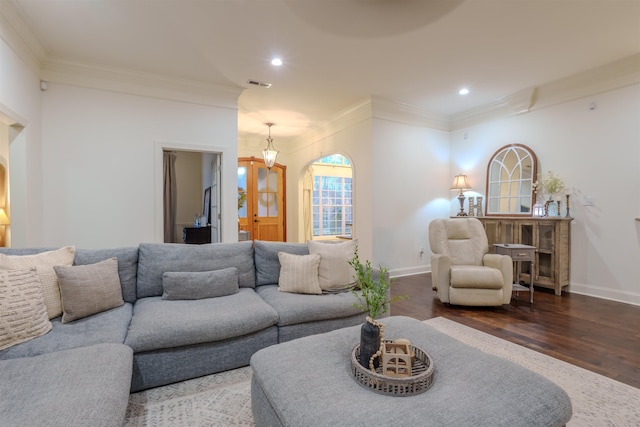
(89,289)
(335,273)
(299,273)
(44,263)
(23,315)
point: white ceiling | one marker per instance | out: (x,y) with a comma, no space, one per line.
(338,52)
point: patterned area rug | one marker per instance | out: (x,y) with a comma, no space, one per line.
(224,399)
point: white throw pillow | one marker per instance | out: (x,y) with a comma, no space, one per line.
(299,273)
(335,273)
(44,263)
(23,315)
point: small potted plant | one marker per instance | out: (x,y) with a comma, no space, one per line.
(373,298)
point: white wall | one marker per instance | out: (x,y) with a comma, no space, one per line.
(597,152)
(102,163)
(410,188)
(354,142)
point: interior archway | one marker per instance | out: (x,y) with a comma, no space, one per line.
(327,199)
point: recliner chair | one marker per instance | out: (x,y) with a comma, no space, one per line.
(462,270)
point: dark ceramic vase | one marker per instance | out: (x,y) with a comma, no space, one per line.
(369,344)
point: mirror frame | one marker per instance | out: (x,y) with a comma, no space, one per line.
(533,179)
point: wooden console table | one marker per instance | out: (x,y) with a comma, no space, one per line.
(552,239)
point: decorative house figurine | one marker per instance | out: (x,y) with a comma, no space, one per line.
(397,358)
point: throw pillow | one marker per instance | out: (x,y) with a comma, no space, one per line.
(44,263)
(299,273)
(89,289)
(178,285)
(23,315)
(335,273)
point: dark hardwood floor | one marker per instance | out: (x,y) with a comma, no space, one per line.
(596,334)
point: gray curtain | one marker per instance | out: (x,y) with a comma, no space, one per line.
(170,196)
(307,204)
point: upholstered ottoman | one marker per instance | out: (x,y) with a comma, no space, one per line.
(308,382)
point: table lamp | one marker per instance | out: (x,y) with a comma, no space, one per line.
(460,182)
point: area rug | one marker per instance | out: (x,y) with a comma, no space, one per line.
(224,399)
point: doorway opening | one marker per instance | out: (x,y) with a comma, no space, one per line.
(261,200)
(191,196)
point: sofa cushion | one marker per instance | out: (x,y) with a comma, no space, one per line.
(200,284)
(161,324)
(299,273)
(44,263)
(267,263)
(87,386)
(23,315)
(157,258)
(335,273)
(298,308)
(127,266)
(107,327)
(89,289)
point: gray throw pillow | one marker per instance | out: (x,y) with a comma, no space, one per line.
(179,285)
(89,289)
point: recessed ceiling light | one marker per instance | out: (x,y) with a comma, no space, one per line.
(463,91)
(276,62)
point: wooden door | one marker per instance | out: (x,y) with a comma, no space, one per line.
(264,213)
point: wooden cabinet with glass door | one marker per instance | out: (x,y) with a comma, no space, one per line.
(550,236)
(263,214)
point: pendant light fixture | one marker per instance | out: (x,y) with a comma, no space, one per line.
(270,152)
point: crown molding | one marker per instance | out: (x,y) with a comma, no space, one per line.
(406,114)
(16,33)
(614,75)
(344,119)
(140,83)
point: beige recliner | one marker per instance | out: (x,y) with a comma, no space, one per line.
(462,270)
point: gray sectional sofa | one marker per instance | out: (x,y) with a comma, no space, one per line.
(149,341)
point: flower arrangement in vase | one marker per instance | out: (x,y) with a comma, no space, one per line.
(551,185)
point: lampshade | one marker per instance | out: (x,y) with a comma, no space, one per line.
(270,153)
(460,182)
(4,219)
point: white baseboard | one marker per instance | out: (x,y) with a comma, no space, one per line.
(409,271)
(626,297)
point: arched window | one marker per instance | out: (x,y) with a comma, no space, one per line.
(332,202)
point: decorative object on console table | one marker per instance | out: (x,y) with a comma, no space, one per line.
(196,235)
(475,208)
(461,183)
(568,208)
(551,237)
(538,210)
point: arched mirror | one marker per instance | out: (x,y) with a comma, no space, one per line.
(510,176)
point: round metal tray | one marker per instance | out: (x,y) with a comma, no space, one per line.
(420,380)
